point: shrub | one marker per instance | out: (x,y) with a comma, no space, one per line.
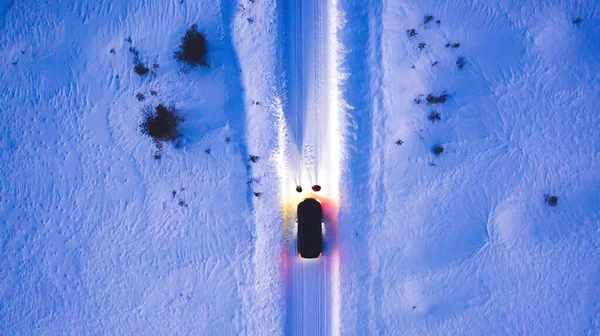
(438,150)
(411,32)
(460,62)
(253,158)
(193,48)
(399,142)
(431,99)
(161,124)
(154,69)
(428,18)
(551,200)
(140,96)
(578,20)
(139,68)
(422,45)
(434,116)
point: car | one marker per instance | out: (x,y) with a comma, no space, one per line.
(310,235)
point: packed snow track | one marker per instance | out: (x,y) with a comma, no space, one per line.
(310,151)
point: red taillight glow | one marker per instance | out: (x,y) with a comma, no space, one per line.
(320,254)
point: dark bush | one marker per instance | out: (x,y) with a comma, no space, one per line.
(140,69)
(434,116)
(193,48)
(578,21)
(253,158)
(154,69)
(438,150)
(422,45)
(411,32)
(551,200)
(431,99)
(140,96)
(399,142)
(161,124)
(460,62)
(428,18)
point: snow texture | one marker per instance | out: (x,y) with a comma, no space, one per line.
(99,237)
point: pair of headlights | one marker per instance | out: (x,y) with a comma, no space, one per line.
(315,188)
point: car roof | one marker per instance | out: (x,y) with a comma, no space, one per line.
(310,210)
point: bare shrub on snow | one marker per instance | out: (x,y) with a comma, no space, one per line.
(551,200)
(161,123)
(434,116)
(431,99)
(139,67)
(438,150)
(193,48)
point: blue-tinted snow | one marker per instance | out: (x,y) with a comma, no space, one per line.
(94,242)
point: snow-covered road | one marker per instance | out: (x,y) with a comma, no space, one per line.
(308,85)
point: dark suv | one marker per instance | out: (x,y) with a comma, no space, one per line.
(310,236)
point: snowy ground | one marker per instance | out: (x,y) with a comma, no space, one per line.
(98,237)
